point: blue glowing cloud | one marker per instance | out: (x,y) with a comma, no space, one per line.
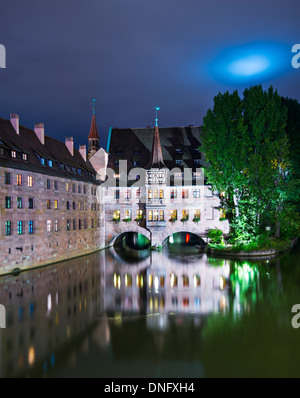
(251,63)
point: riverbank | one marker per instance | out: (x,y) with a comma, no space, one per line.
(276,246)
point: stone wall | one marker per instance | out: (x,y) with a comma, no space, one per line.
(50,241)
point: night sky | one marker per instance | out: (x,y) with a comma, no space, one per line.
(131,55)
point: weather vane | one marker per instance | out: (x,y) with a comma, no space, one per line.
(93,105)
(157,108)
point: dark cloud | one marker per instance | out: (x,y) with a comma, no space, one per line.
(130,55)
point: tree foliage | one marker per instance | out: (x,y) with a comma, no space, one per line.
(246,143)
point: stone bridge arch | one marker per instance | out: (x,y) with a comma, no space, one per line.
(122,228)
(160,238)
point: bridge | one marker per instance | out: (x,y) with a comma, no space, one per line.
(158,235)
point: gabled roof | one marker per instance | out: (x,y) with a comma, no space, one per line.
(56,151)
(93,130)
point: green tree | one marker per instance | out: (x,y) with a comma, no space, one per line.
(245,143)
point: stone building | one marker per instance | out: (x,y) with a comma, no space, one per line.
(155,184)
(58,202)
(49,209)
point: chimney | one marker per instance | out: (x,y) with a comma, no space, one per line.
(39,130)
(70,145)
(14,119)
(82,150)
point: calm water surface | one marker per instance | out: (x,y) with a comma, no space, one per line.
(158,314)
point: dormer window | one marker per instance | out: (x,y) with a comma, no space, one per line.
(50,163)
(197,161)
(178,150)
(178,161)
(42,161)
(14,154)
(25,156)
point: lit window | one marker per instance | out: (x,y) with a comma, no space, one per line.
(20,227)
(127,214)
(56,225)
(25,156)
(155,215)
(150,215)
(161,194)
(19,179)
(19,203)
(185,193)
(197,214)
(173,215)
(29,181)
(161,215)
(185,215)
(196,193)
(13,154)
(79,205)
(149,194)
(7,228)
(116,215)
(55,205)
(30,226)
(67,187)
(173,193)
(50,163)
(48,204)
(49,225)
(139,214)
(42,161)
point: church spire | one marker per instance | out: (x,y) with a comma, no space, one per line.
(156,157)
(93,136)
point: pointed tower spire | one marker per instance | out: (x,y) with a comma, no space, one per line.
(156,157)
(93,136)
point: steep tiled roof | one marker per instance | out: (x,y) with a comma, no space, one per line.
(63,163)
(179,145)
(156,157)
(93,130)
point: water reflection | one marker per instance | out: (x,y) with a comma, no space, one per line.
(104,316)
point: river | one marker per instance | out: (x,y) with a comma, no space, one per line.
(153,314)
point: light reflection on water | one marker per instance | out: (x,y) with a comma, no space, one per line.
(161,315)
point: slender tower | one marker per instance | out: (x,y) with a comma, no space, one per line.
(156,183)
(94,139)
